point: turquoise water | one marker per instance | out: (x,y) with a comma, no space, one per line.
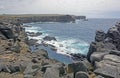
(75,37)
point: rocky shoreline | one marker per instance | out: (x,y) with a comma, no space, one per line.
(18,61)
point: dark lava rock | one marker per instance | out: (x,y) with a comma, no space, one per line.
(48,38)
(100,36)
(77,66)
(7,32)
(115,52)
(78,56)
(32,42)
(35,60)
(32,34)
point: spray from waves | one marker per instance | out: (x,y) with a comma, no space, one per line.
(69,46)
(63,46)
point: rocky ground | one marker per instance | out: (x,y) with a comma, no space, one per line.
(18,61)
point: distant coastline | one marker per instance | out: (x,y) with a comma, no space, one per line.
(27,18)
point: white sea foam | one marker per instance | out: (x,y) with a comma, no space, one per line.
(69,46)
(65,47)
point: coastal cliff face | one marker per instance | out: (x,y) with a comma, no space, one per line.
(104,53)
(40,18)
(63,18)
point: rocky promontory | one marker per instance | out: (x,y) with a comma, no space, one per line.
(104,53)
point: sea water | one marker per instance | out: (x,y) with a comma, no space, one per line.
(74,37)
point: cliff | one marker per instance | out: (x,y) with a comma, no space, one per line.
(80,17)
(40,18)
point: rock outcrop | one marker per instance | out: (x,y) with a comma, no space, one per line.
(104,53)
(18,61)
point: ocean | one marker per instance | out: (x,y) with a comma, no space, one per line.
(71,37)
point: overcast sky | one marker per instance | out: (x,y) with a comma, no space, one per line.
(90,8)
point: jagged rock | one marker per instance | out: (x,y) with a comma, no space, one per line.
(100,47)
(115,35)
(48,38)
(100,36)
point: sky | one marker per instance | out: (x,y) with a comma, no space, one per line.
(89,8)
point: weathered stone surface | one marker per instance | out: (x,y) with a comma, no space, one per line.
(55,71)
(97,56)
(108,72)
(113,58)
(30,70)
(105,53)
(115,52)
(81,75)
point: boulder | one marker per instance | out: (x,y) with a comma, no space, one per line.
(48,38)
(32,34)
(31,69)
(81,75)
(55,71)
(97,56)
(77,66)
(108,72)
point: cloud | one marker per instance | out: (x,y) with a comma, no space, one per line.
(90,8)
